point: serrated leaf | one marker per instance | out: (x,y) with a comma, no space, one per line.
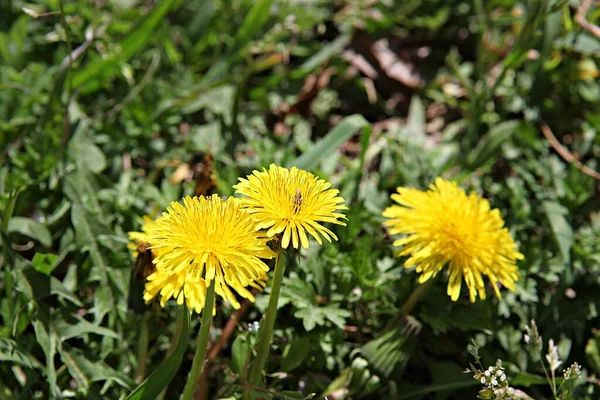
(72,326)
(12,352)
(86,371)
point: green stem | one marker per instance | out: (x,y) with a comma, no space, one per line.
(265,335)
(142,349)
(415,297)
(202,345)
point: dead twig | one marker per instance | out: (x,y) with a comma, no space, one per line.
(566,154)
(583,22)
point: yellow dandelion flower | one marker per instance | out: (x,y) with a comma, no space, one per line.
(446,227)
(206,238)
(292,201)
(141,240)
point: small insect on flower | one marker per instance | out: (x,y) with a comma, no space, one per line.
(445,227)
(143,265)
(206,238)
(291,202)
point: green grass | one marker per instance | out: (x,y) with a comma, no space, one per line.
(102,102)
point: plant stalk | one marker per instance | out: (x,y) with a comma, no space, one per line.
(202,345)
(265,334)
(142,349)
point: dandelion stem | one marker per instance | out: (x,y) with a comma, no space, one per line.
(266,330)
(142,349)
(415,297)
(202,345)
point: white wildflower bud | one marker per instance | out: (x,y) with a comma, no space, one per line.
(491,369)
(487,373)
(552,356)
(499,372)
(527,339)
(494,382)
(483,381)
(502,378)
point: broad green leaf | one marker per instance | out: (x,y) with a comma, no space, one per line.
(347,128)
(160,378)
(85,153)
(44,263)
(295,353)
(11,351)
(33,229)
(592,353)
(561,229)
(240,349)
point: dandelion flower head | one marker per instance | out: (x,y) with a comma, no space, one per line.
(445,227)
(293,202)
(141,240)
(201,240)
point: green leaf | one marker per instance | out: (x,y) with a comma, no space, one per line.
(37,286)
(85,371)
(67,327)
(347,128)
(160,378)
(48,341)
(240,349)
(87,241)
(324,54)
(487,148)
(256,18)
(563,233)
(526,379)
(11,351)
(135,40)
(85,153)
(44,263)
(592,353)
(295,353)
(33,229)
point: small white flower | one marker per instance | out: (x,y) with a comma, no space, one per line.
(487,373)
(494,382)
(499,372)
(483,381)
(511,390)
(491,369)
(502,378)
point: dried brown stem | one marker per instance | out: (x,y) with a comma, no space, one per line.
(565,154)
(583,22)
